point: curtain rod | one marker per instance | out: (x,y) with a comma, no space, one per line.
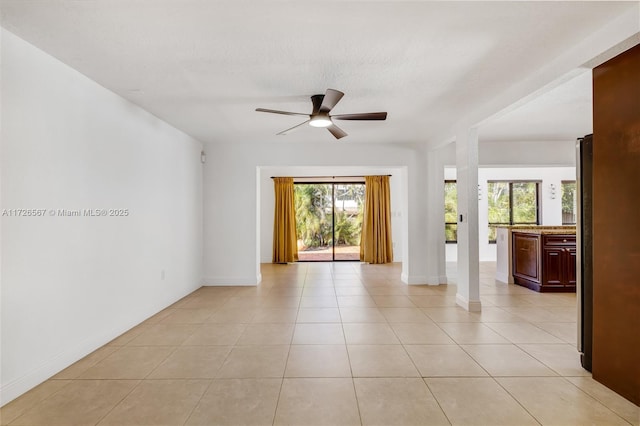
(324,177)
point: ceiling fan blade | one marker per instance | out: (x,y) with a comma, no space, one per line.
(337,131)
(361,116)
(275,111)
(331,98)
(284,132)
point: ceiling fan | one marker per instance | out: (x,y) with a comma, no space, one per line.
(320,117)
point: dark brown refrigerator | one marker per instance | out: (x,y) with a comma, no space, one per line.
(584,235)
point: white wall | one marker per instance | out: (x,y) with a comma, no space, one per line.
(71,284)
(527,153)
(397,186)
(518,153)
(234,178)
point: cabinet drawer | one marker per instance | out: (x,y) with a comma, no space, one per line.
(560,240)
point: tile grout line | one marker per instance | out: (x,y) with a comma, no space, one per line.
(353,381)
(39,402)
(286,362)
(197,404)
(516,400)
(119,402)
(140,381)
(424,380)
(594,398)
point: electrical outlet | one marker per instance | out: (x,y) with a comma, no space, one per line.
(162,275)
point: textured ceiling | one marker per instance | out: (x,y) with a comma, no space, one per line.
(204,66)
(562,113)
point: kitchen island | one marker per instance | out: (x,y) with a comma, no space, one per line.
(504,264)
(544,260)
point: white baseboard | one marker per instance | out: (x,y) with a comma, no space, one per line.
(413,279)
(502,277)
(423,279)
(437,280)
(505,279)
(235,281)
(471,306)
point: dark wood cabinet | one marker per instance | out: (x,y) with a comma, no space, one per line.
(572,277)
(553,266)
(527,264)
(544,262)
(559,262)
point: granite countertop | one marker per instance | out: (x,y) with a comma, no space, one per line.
(541,229)
(547,231)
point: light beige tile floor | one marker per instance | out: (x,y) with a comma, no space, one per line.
(341,343)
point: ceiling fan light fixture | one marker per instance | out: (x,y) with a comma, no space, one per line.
(320,115)
(320,121)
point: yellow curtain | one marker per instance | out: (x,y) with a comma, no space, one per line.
(375,242)
(285,242)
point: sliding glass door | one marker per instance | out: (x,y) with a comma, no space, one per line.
(314,221)
(329,220)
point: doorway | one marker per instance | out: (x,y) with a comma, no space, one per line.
(329,220)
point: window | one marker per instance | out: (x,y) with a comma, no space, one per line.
(569,202)
(450,212)
(512,203)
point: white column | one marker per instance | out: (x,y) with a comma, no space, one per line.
(436,269)
(416,267)
(468,295)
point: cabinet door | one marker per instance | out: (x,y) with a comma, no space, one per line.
(554,270)
(570,267)
(526,263)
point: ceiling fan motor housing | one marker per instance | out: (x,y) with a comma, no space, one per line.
(317,101)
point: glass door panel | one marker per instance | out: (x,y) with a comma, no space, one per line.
(349,200)
(329,220)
